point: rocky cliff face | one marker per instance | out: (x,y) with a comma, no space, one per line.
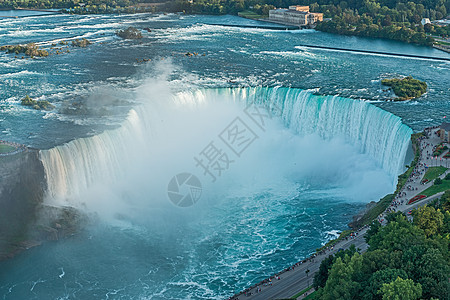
(22,187)
(25,220)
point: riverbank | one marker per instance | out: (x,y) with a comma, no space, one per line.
(445,48)
(26,12)
(299,277)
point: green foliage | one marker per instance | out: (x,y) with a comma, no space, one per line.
(381,277)
(6,148)
(406,88)
(321,276)
(358,26)
(401,289)
(30,49)
(341,284)
(445,201)
(396,235)
(434,189)
(440,149)
(41,104)
(313,296)
(402,257)
(402,179)
(428,219)
(28,101)
(434,172)
(438,181)
(374,212)
(373,229)
(390,19)
(393,216)
(88,7)
(428,266)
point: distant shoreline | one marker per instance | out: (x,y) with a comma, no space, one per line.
(38,12)
(376,52)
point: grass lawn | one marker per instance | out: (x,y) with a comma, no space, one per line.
(312,296)
(434,172)
(301,293)
(250,14)
(437,188)
(404,177)
(375,211)
(6,148)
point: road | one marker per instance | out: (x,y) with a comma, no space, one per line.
(296,279)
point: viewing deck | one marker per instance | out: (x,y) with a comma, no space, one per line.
(9,148)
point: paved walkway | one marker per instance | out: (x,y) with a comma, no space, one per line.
(17,148)
(414,185)
(295,278)
(289,282)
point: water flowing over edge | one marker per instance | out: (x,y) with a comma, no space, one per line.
(72,167)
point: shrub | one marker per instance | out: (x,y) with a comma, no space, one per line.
(41,104)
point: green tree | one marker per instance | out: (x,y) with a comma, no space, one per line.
(321,276)
(432,270)
(428,219)
(401,289)
(341,283)
(379,278)
(396,235)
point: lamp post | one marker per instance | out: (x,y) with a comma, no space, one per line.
(307,272)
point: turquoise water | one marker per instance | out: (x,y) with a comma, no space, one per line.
(287,195)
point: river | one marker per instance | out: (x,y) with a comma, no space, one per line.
(124,126)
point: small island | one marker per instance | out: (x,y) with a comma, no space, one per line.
(38,105)
(30,49)
(130,33)
(406,88)
(82,43)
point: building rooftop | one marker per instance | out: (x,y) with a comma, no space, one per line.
(300,12)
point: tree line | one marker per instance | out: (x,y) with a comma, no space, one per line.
(406,260)
(80,6)
(390,19)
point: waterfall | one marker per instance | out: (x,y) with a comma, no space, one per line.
(71,168)
(373,130)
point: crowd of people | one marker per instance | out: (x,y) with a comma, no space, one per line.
(257,288)
(417,174)
(18,148)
